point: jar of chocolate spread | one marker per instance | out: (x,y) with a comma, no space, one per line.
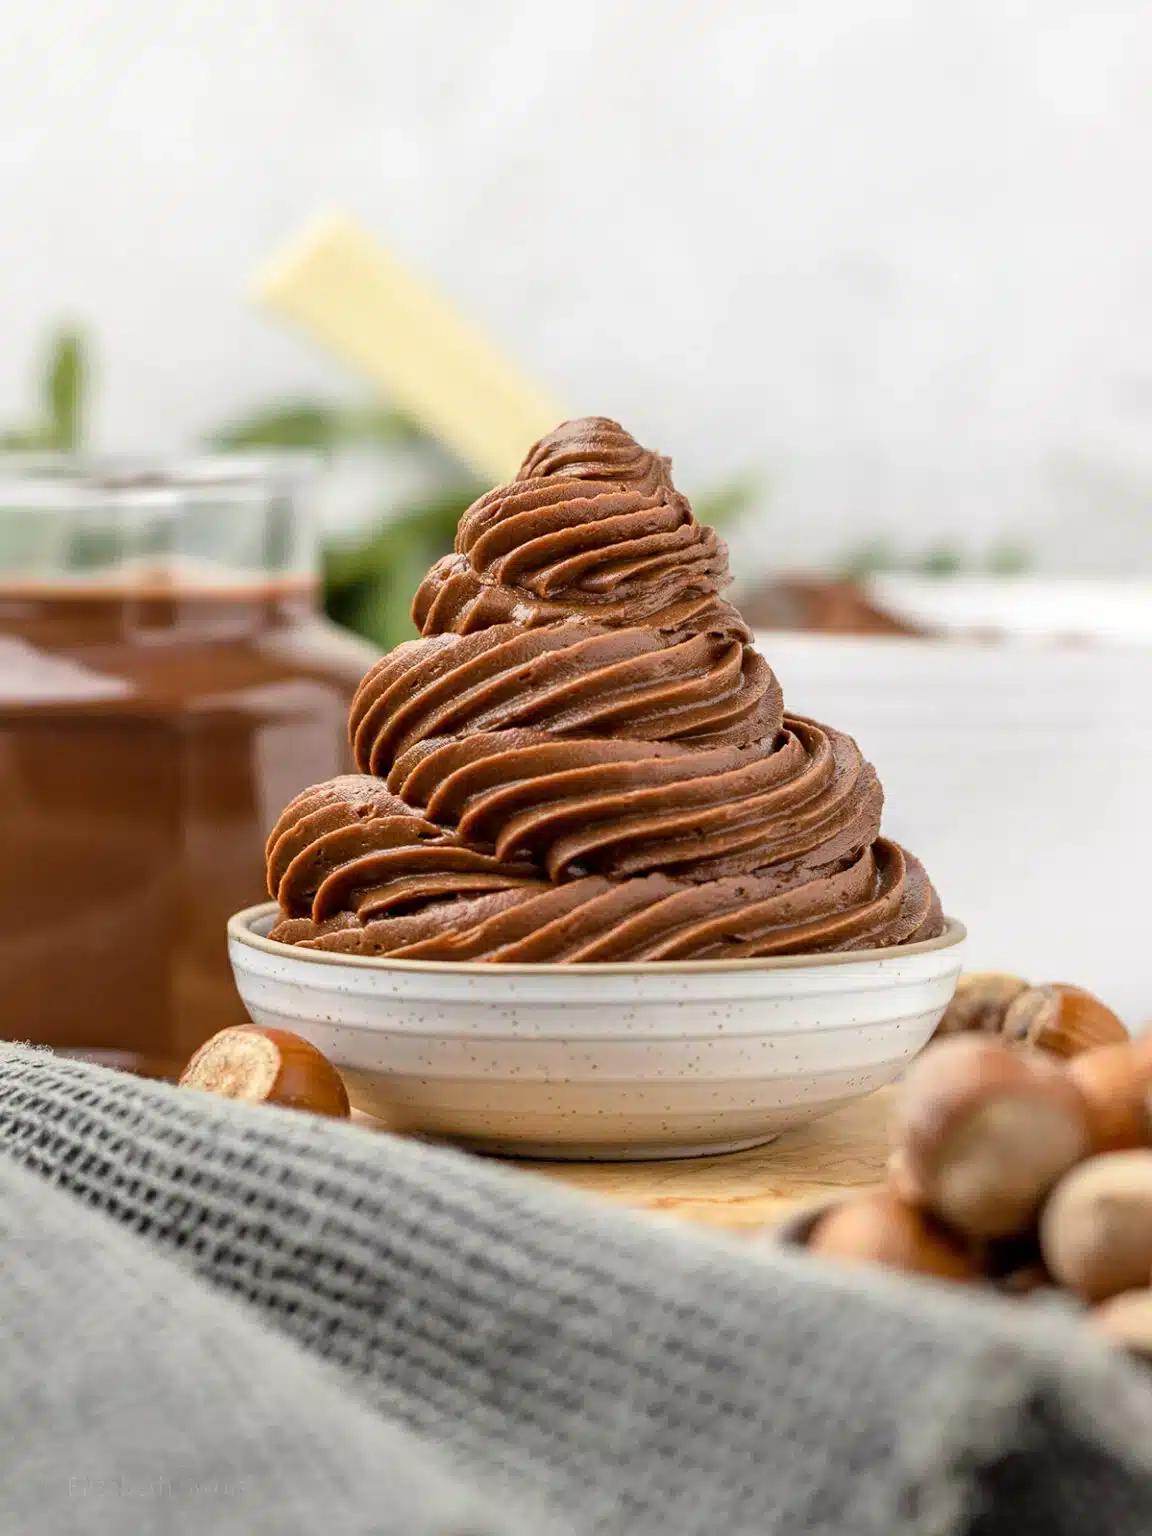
(166,684)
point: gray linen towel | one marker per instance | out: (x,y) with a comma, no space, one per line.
(282,1324)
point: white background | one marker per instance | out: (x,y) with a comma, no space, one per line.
(896,256)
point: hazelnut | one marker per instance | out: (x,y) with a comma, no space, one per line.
(267,1066)
(1115,1082)
(1026,1282)
(982,1133)
(1096,1230)
(1126,1320)
(979,1003)
(1062,1020)
(876,1227)
(1014,1264)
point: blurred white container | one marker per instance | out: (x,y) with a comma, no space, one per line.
(1023,608)
(1020,772)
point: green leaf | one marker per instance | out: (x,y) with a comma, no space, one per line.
(377,604)
(724,503)
(369,585)
(27,440)
(379,424)
(369,610)
(1008,559)
(439,515)
(941,560)
(317,425)
(64,388)
(310,424)
(869,559)
(430,525)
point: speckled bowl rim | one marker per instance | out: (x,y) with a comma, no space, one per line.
(240,927)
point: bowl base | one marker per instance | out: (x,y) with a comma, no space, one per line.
(599,1152)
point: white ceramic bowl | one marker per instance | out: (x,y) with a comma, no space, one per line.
(602,1061)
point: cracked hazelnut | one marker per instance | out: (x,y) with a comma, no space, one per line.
(982,1132)
(877,1227)
(1096,1230)
(1115,1082)
(1126,1320)
(979,1003)
(1062,1020)
(267,1066)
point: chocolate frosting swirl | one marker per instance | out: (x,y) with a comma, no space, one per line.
(591,529)
(583,759)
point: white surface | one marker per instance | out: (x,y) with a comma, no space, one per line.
(1021,776)
(896,255)
(596,1062)
(1028,608)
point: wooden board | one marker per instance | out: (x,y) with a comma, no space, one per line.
(744,1191)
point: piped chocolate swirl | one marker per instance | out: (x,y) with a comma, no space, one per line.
(583,758)
(591,529)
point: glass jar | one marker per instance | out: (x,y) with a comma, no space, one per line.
(167,684)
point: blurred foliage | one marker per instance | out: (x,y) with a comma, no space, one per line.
(1008,559)
(878,557)
(868,559)
(318,425)
(725,503)
(62,386)
(369,583)
(368,586)
(941,560)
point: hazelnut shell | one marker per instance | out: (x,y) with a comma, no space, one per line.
(979,1003)
(1126,1320)
(1115,1081)
(267,1066)
(1062,1020)
(877,1227)
(982,1132)
(1096,1230)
